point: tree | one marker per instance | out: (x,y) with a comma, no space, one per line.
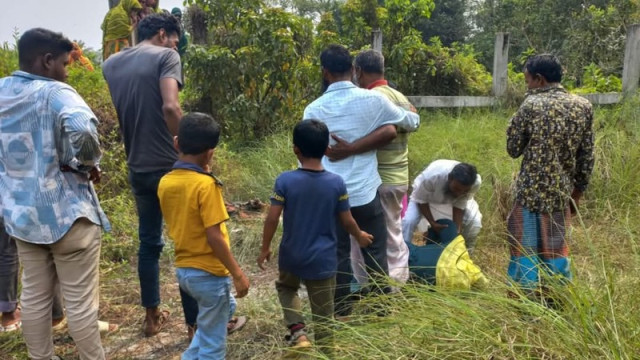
(578,31)
(254,73)
(312,9)
(448,22)
(416,66)
(113,3)
(355,19)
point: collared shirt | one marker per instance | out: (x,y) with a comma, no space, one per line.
(45,125)
(393,158)
(351,113)
(431,186)
(553,132)
(191,201)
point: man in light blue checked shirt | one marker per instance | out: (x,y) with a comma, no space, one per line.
(351,113)
(49,155)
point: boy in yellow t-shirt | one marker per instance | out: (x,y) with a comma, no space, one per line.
(193,208)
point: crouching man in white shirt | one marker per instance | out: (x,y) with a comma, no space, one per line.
(445,190)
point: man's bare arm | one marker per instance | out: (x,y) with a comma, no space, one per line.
(374,140)
(170,104)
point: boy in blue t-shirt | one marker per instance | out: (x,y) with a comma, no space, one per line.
(312,200)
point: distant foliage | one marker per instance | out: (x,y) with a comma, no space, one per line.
(255,73)
(594,81)
(449,22)
(8,59)
(579,32)
(433,69)
(95,92)
(418,67)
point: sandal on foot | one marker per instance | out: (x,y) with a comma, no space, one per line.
(236,323)
(163,316)
(106,327)
(59,324)
(298,344)
(11,327)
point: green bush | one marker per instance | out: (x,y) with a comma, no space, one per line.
(432,69)
(418,68)
(95,92)
(256,76)
(594,81)
(8,59)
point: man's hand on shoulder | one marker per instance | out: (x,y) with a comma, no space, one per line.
(342,149)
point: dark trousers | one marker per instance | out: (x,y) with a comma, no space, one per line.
(370,218)
(9,266)
(145,190)
(189,308)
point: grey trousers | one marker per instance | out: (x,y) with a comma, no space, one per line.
(9,269)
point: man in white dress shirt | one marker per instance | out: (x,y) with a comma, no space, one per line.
(351,113)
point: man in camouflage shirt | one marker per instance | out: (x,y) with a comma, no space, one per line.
(553,132)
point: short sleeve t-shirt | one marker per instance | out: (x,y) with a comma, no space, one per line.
(431,186)
(312,201)
(134,76)
(191,202)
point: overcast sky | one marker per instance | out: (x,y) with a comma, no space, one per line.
(77,19)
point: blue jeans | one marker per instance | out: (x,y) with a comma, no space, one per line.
(145,191)
(216,305)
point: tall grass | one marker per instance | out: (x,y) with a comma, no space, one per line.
(597,320)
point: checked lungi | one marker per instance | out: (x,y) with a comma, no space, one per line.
(537,242)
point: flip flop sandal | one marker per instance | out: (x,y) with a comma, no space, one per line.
(236,324)
(106,327)
(162,319)
(60,326)
(13,327)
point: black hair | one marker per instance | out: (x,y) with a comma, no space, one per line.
(150,25)
(370,61)
(464,173)
(546,65)
(197,133)
(37,42)
(336,59)
(312,138)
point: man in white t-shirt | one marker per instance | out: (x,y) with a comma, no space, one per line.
(445,190)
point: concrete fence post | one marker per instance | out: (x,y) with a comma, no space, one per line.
(631,69)
(376,40)
(500,64)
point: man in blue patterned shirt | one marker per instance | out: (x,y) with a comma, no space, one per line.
(49,155)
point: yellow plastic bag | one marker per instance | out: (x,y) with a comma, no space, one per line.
(455,269)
